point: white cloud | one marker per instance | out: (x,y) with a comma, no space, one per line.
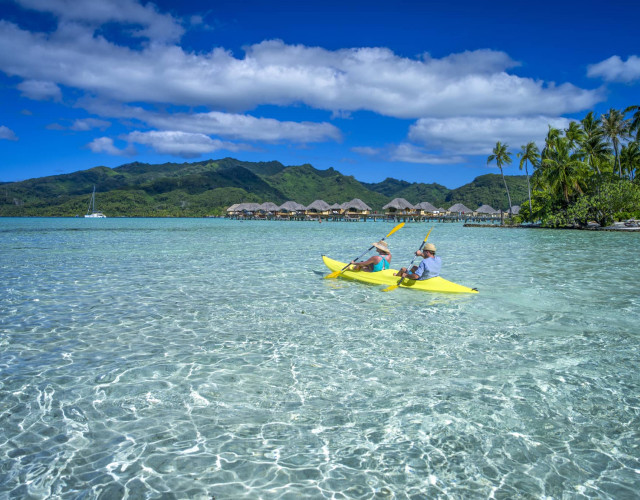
(40,90)
(181,144)
(7,133)
(245,127)
(230,125)
(615,69)
(106,145)
(472,83)
(85,124)
(411,154)
(408,153)
(152,24)
(474,136)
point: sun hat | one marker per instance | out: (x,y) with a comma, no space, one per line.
(430,246)
(382,246)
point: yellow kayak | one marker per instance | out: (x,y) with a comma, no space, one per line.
(387,277)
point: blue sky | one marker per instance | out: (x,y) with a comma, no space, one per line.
(415,90)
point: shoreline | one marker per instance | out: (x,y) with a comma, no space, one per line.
(613,228)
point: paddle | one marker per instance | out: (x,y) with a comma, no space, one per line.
(393,287)
(335,274)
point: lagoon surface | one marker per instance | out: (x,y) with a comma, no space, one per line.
(207,358)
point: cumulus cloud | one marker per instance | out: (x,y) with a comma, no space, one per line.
(85,124)
(412,154)
(615,69)
(182,144)
(245,127)
(408,153)
(106,145)
(474,83)
(7,133)
(150,23)
(40,90)
(475,136)
(229,125)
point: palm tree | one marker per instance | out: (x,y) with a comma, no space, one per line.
(529,153)
(575,134)
(635,120)
(615,128)
(549,141)
(630,158)
(564,170)
(593,144)
(502,156)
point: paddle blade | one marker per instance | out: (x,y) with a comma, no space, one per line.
(332,275)
(390,288)
(399,226)
(427,237)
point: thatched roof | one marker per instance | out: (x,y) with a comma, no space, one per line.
(486,209)
(356,203)
(426,206)
(247,207)
(233,208)
(269,206)
(291,206)
(398,204)
(335,206)
(319,205)
(515,210)
(459,207)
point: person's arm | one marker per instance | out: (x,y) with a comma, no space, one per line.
(413,274)
(370,261)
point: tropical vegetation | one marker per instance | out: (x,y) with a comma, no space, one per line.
(584,173)
(210,187)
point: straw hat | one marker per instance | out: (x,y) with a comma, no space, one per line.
(382,246)
(431,247)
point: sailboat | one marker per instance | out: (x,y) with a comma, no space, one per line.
(91,212)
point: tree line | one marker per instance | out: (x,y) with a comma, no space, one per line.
(586,172)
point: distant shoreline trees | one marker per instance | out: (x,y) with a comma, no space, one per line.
(586,172)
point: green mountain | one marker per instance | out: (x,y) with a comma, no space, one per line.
(209,187)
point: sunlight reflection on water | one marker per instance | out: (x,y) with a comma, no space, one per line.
(205,357)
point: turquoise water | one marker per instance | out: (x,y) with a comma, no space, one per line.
(205,358)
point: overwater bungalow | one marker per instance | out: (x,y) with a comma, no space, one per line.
(398,206)
(355,209)
(487,211)
(269,208)
(459,209)
(290,209)
(233,210)
(335,209)
(317,208)
(426,208)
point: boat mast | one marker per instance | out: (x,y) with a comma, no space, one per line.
(92,203)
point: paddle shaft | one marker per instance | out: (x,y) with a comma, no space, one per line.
(372,247)
(393,287)
(411,264)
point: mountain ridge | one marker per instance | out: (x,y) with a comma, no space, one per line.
(208,187)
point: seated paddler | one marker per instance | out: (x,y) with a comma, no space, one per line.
(377,262)
(428,268)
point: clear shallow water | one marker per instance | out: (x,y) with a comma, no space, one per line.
(200,358)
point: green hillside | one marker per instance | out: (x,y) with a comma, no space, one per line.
(209,187)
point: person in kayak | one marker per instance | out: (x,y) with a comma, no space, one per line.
(377,262)
(428,268)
